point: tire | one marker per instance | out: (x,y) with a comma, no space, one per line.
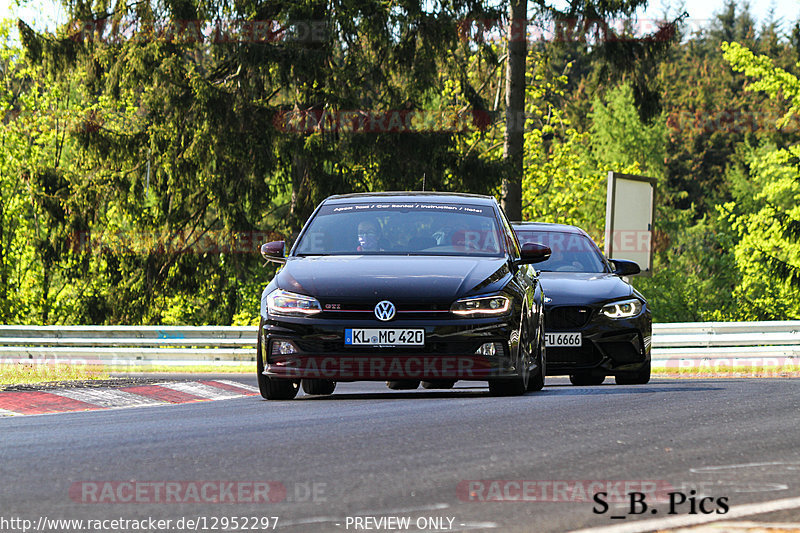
(516,386)
(271,388)
(536,383)
(641,377)
(403,384)
(439,384)
(320,387)
(586,379)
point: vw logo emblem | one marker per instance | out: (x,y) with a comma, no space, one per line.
(384,310)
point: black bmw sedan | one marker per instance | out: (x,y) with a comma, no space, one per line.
(597,324)
(406,288)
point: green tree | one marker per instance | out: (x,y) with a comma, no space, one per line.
(189,136)
(618,56)
(765,210)
(43,200)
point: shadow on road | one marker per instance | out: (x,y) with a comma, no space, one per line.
(416,395)
(569,390)
(483,392)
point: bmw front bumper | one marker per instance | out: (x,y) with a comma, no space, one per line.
(609,346)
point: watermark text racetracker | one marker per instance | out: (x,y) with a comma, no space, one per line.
(762,365)
(585,30)
(179,242)
(573,490)
(388,367)
(196,491)
(189,31)
(391,121)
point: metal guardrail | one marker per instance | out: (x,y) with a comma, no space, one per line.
(753,344)
(129,345)
(673,345)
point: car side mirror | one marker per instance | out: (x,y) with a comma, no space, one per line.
(274,251)
(533,252)
(623,267)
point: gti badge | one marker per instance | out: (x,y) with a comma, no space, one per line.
(384,311)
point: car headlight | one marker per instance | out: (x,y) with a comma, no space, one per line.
(484,306)
(623,309)
(280,302)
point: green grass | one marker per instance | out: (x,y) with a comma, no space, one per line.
(244,368)
(730,371)
(19,373)
(27,373)
(23,373)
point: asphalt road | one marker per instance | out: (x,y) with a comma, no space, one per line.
(373,453)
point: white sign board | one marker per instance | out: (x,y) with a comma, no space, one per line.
(630,207)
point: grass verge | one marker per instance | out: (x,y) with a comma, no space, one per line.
(21,373)
(25,373)
(729,371)
(32,373)
(244,368)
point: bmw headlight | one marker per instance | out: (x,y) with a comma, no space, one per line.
(484,306)
(623,309)
(280,302)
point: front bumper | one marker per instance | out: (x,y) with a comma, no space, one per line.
(609,346)
(449,351)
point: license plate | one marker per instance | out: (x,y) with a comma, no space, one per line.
(562,340)
(384,337)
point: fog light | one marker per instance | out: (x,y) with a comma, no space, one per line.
(488,349)
(283,348)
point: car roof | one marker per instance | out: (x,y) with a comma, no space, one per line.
(410,196)
(548,226)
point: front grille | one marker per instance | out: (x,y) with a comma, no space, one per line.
(366,311)
(401,315)
(567,317)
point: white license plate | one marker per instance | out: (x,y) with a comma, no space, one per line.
(384,337)
(563,340)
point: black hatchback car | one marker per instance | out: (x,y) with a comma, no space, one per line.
(403,288)
(596,323)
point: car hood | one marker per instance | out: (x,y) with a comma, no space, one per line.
(579,288)
(399,278)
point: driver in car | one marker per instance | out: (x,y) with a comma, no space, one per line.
(369,235)
(564,262)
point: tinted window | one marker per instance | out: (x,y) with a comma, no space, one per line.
(572,252)
(401,229)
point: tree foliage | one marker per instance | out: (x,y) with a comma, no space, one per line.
(188,138)
(766,207)
(150,147)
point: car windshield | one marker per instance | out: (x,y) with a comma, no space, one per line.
(572,252)
(386,228)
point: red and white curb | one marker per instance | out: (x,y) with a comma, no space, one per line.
(100,398)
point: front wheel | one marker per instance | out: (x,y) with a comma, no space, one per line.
(272,388)
(319,387)
(516,386)
(641,377)
(536,383)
